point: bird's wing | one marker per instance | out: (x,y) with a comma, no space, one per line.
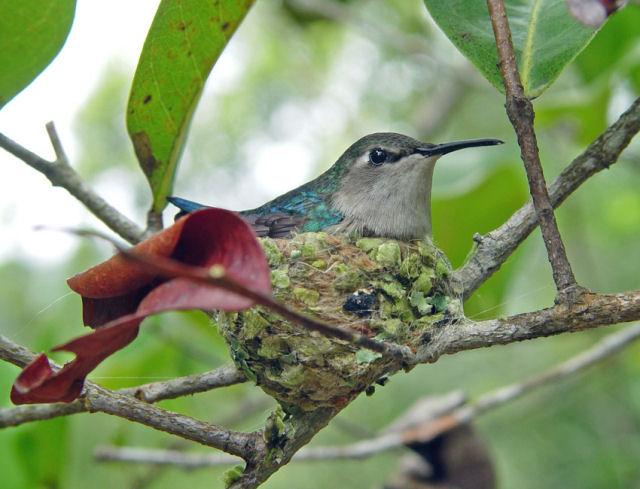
(303,209)
(275,224)
(272,224)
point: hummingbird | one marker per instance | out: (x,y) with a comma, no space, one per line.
(379,187)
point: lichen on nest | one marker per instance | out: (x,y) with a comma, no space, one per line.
(381,288)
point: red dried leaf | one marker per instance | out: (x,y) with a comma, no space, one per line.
(38,382)
(204,238)
(119,293)
(119,276)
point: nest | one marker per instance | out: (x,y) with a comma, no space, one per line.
(381,288)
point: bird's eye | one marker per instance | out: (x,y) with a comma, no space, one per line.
(377,156)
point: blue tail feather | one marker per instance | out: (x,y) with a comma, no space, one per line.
(185,205)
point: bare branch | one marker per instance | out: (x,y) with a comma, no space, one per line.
(363,449)
(220,377)
(98,399)
(16,416)
(587,310)
(521,115)
(427,419)
(495,247)
(14,353)
(61,174)
(163,457)
(605,348)
(153,392)
(245,445)
(61,155)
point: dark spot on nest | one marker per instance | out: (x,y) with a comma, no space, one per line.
(361,303)
(426,338)
(383,380)
(404,281)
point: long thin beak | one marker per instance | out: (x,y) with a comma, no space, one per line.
(444,148)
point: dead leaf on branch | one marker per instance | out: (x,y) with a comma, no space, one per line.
(118,294)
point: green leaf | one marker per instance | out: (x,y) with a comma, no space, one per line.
(183,44)
(545,37)
(32,33)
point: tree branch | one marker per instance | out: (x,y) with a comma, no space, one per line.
(99,399)
(428,418)
(16,354)
(605,348)
(587,310)
(495,247)
(156,391)
(223,376)
(246,445)
(163,457)
(521,115)
(61,174)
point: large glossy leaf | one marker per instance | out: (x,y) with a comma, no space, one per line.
(32,33)
(545,37)
(183,43)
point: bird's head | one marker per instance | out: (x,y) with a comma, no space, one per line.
(385,187)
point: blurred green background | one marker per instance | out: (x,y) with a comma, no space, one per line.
(299,84)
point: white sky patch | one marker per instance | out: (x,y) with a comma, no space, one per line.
(102,31)
(284,165)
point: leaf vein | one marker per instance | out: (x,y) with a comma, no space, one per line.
(527,55)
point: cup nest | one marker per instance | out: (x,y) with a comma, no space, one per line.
(382,288)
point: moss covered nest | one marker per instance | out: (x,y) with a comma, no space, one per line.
(382,288)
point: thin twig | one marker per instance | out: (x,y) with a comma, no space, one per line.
(61,174)
(223,376)
(156,391)
(603,349)
(61,155)
(495,247)
(176,458)
(245,445)
(16,354)
(408,428)
(521,115)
